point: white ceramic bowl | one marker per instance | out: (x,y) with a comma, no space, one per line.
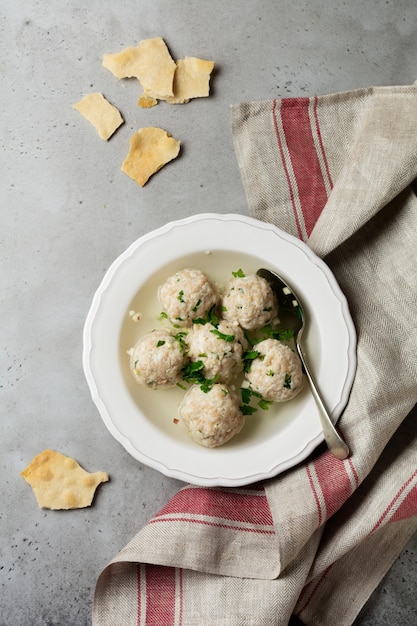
(144,420)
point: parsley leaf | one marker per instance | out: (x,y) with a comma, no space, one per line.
(197,304)
(246,394)
(264,404)
(274,333)
(228,338)
(247,357)
(193,373)
(199,320)
(211,317)
(247,410)
(180,337)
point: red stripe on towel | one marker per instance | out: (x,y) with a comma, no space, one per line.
(140,604)
(227,505)
(396,510)
(310,590)
(216,524)
(407,508)
(308,186)
(163,592)
(334,482)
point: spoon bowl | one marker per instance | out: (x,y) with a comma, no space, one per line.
(292,315)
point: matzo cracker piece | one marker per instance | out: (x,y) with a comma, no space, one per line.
(191,80)
(150,62)
(150,149)
(105,117)
(59,482)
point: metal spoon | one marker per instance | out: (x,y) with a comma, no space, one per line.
(292,315)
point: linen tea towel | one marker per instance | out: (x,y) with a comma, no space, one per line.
(315,541)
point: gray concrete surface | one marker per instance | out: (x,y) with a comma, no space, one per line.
(67,211)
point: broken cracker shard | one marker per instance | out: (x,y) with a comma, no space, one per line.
(60,483)
(103,115)
(191,80)
(159,75)
(150,62)
(150,149)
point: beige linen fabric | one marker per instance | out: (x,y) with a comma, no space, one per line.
(335,171)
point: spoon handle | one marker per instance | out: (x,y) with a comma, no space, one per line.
(334,442)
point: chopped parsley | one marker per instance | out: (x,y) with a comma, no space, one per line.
(160,343)
(199,320)
(247,394)
(268,332)
(193,373)
(211,318)
(180,337)
(264,404)
(245,409)
(228,338)
(287,381)
(197,304)
(180,296)
(239,274)
(163,316)
(207,384)
(247,357)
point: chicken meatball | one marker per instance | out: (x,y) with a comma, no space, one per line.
(219,348)
(157,360)
(187,295)
(277,372)
(249,301)
(212,417)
